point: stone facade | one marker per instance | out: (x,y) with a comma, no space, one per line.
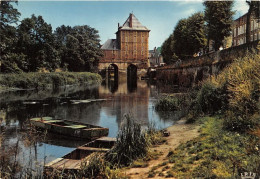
(239,30)
(129,47)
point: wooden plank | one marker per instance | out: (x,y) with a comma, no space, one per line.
(109,139)
(72,164)
(53,162)
(60,164)
(93,149)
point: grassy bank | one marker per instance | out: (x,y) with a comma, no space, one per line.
(229,143)
(216,153)
(47,80)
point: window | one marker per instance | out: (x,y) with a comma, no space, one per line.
(134,38)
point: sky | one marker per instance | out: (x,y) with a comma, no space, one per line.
(158,16)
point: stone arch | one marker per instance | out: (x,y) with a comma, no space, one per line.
(112,71)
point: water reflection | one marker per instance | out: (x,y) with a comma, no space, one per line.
(120,98)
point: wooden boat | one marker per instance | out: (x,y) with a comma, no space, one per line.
(70,128)
(72,161)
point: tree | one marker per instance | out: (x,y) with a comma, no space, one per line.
(180,34)
(218,16)
(8,16)
(167,50)
(196,33)
(37,43)
(79,47)
(254,8)
(187,39)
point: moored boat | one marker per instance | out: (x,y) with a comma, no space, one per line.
(72,161)
(70,128)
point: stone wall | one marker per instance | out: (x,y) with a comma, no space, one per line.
(191,72)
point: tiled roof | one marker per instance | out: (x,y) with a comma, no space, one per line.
(110,44)
(133,24)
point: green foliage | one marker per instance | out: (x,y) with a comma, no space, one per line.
(167,104)
(8,16)
(167,50)
(32,46)
(211,99)
(216,153)
(187,39)
(218,16)
(171,103)
(36,42)
(47,80)
(190,36)
(242,80)
(234,92)
(79,47)
(131,144)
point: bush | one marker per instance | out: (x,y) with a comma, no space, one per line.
(131,144)
(243,85)
(47,80)
(171,103)
(234,92)
(211,98)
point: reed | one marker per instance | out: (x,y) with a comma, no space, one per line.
(131,144)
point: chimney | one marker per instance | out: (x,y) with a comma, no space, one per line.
(118,25)
(131,20)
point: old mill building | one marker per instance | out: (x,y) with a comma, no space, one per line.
(129,49)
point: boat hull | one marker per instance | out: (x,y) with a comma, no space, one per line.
(70,128)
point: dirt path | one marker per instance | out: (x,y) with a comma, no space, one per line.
(179,133)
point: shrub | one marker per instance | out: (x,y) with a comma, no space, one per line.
(171,103)
(210,98)
(243,85)
(47,80)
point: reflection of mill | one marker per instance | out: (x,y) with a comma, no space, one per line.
(125,101)
(112,77)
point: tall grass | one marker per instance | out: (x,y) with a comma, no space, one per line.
(47,80)
(131,144)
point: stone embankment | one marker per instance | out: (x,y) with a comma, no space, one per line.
(190,72)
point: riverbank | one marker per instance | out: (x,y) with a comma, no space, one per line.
(204,149)
(228,142)
(179,134)
(35,80)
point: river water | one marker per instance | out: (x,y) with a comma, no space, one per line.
(16,108)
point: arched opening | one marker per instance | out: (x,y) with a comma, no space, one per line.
(131,77)
(112,77)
